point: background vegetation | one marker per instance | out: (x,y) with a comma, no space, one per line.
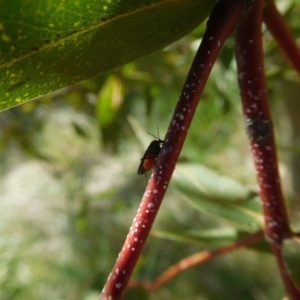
(69,188)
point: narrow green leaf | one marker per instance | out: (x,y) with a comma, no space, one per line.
(239,215)
(109,101)
(206,191)
(208,237)
(216,237)
(198,179)
(47,45)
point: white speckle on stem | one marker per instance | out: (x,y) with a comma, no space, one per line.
(150,205)
(254,105)
(118,285)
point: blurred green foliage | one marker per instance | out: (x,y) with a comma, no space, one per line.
(69,188)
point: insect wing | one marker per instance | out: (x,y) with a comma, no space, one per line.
(154,148)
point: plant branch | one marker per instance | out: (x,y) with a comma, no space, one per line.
(253,90)
(220,25)
(278,28)
(249,55)
(290,285)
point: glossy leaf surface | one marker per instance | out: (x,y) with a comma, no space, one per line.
(47,45)
(206,191)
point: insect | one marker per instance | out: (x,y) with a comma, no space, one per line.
(150,156)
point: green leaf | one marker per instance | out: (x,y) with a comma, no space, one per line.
(47,45)
(198,179)
(212,237)
(215,237)
(206,191)
(109,101)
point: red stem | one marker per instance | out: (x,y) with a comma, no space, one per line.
(220,25)
(251,77)
(256,110)
(278,28)
(291,287)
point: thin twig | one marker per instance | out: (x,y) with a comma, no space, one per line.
(280,31)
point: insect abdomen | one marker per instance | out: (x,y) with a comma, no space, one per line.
(150,156)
